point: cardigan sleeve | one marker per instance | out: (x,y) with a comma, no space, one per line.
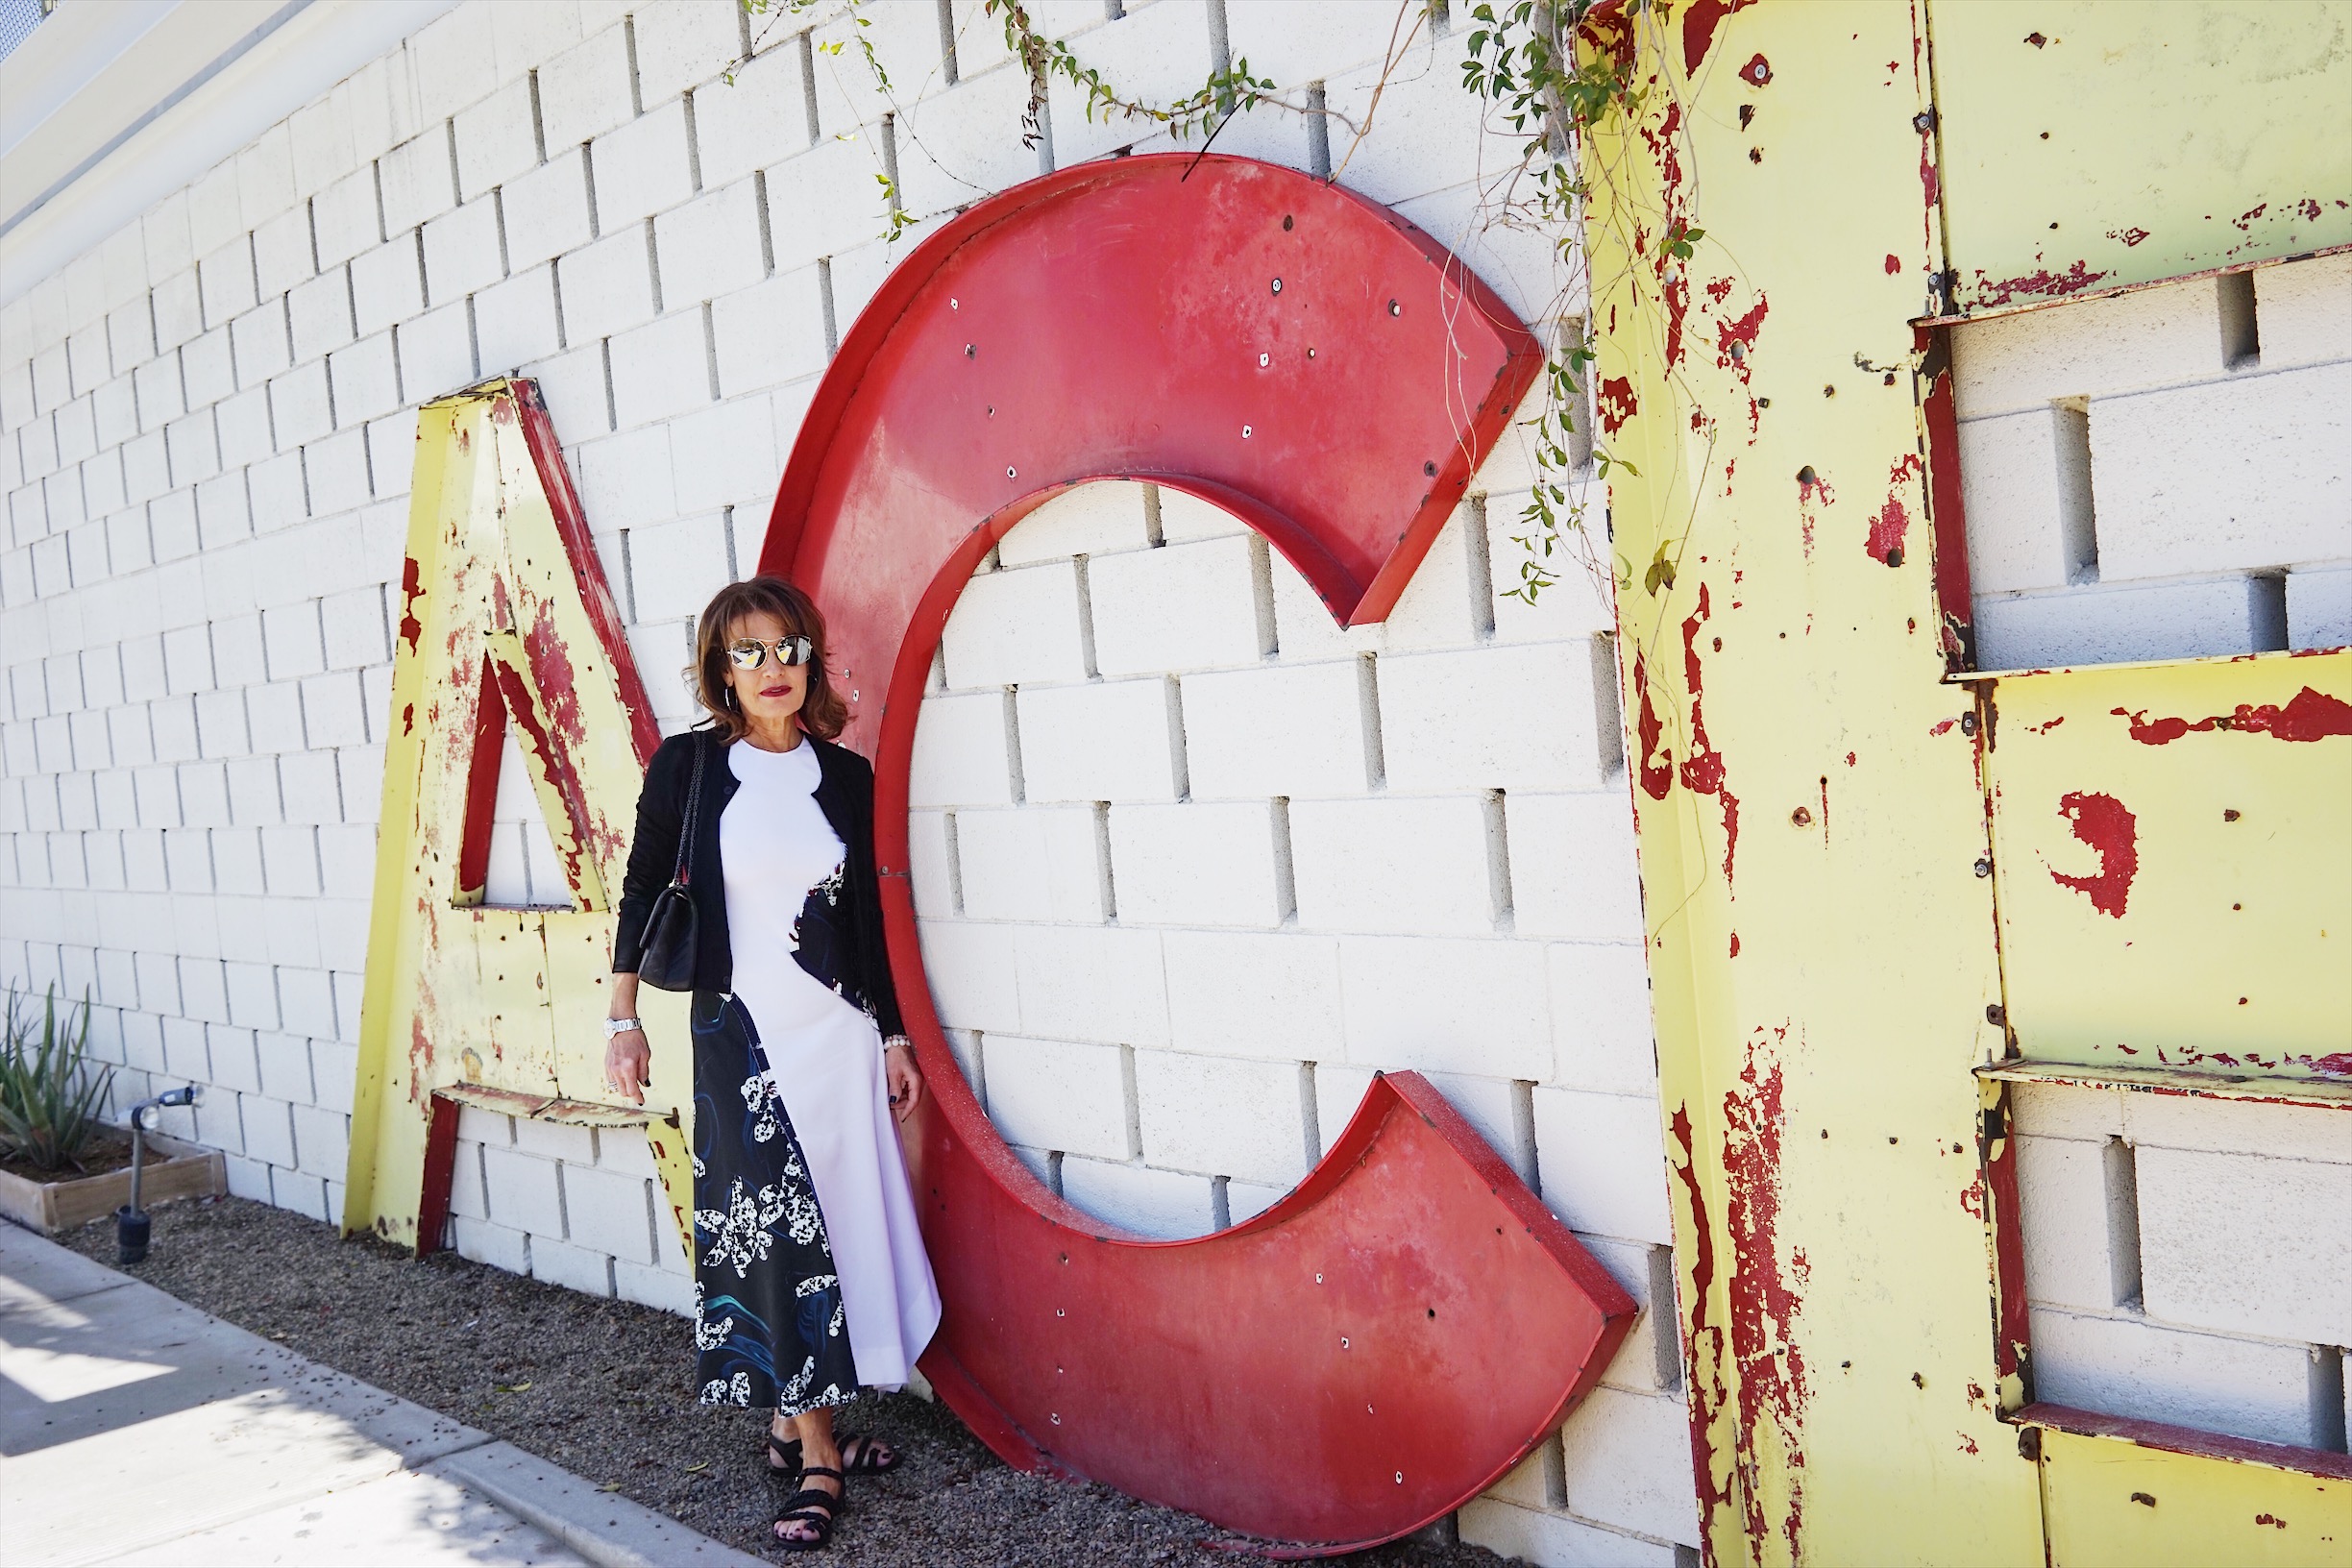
(874,949)
(652,848)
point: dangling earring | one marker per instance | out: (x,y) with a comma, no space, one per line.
(726,694)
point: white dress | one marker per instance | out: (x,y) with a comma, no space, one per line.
(824,1057)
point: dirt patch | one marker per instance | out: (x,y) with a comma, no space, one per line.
(604,1389)
(108,1151)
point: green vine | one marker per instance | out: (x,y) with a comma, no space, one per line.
(1227,92)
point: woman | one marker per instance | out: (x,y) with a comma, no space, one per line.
(810,1277)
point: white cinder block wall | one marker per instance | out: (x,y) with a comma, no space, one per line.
(1195,862)
(2188,1261)
(2163,474)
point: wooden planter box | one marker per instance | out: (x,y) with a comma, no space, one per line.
(174,1170)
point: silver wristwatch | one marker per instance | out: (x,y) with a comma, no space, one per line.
(614,1027)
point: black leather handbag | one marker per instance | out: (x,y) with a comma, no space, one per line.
(667,960)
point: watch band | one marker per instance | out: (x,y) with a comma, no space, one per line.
(621,1026)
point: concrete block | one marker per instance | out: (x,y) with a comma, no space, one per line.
(497,1245)
(524,1191)
(462,251)
(1627,1463)
(1247,1200)
(1221,1116)
(662,1289)
(1159,1204)
(547,210)
(555,1140)
(607,287)
(585,90)
(1016,626)
(1184,606)
(494,140)
(345,218)
(1394,864)
(1158,52)
(2067,1110)
(660,369)
(1493,718)
(1030,863)
(678,566)
(194,445)
(641,166)
(2319,608)
(1053,1094)
(1197,864)
(628,481)
(336,468)
(2278,491)
(257,339)
(710,246)
(244,425)
(771,334)
(1293,730)
(932,862)
(2114,624)
(753,121)
(971,970)
(321,312)
(417,181)
(574,1268)
(321,1139)
(224,281)
(269,1129)
(2073,1224)
(1650,1357)
(961,753)
(364,378)
(1254,993)
(2228,1242)
(1112,740)
(1600,1019)
(514,321)
(1580,601)
(2304,311)
(1604,1163)
(610,1213)
(305,1195)
(1573,871)
(2092,348)
(284,1062)
(2025,483)
(1091,519)
(724,454)
(825,201)
(388,284)
(1555,1540)
(952,146)
(2128,1366)
(1097,983)
(2285,1132)
(1452,1006)
(467,1196)
(248,1179)
(437,353)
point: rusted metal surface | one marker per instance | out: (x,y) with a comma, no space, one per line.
(1822,948)
(505,621)
(2088,145)
(2173,855)
(1410,1321)
(2141,1494)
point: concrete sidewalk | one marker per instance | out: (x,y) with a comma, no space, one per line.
(135,1428)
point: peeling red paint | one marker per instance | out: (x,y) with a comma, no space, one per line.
(1617,403)
(1740,336)
(2129,236)
(1885,542)
(1809,493)
(2308,716)
(1973,1197)
(1968,1444)
(1765,1296)
(1702,769)
(2055,284)
(1735,945)
(2245,221)
(1657,777)
(2112,833)
(2336,1064)
(1758,71)
(1703,1340)
(1699,25)
(1894,265)
(1943,726)
(412,589)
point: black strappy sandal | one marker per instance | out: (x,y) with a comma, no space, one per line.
(864,1456)
(814,1508)
(786,1449)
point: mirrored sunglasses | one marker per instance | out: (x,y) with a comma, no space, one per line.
(750,654)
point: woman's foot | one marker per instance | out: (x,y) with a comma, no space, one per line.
(863,1456)
(807,1521)
(783,1452)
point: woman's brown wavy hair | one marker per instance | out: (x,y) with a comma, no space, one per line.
(822,712)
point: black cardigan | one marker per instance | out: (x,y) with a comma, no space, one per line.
(841,939)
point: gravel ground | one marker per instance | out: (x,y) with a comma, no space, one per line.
(603,1389)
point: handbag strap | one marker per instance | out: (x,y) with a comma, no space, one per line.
(684,872)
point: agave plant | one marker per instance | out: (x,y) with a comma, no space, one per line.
(49,1094)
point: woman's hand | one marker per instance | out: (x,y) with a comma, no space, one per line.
(904,1077)
(629,1065)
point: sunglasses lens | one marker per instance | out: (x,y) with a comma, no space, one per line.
(795,649)
(748,655)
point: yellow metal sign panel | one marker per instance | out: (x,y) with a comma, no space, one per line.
(2113,1503)
(2089,144)
(2174,853)
(506,622)
(1810,815)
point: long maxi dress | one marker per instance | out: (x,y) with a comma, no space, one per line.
(858,1265)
